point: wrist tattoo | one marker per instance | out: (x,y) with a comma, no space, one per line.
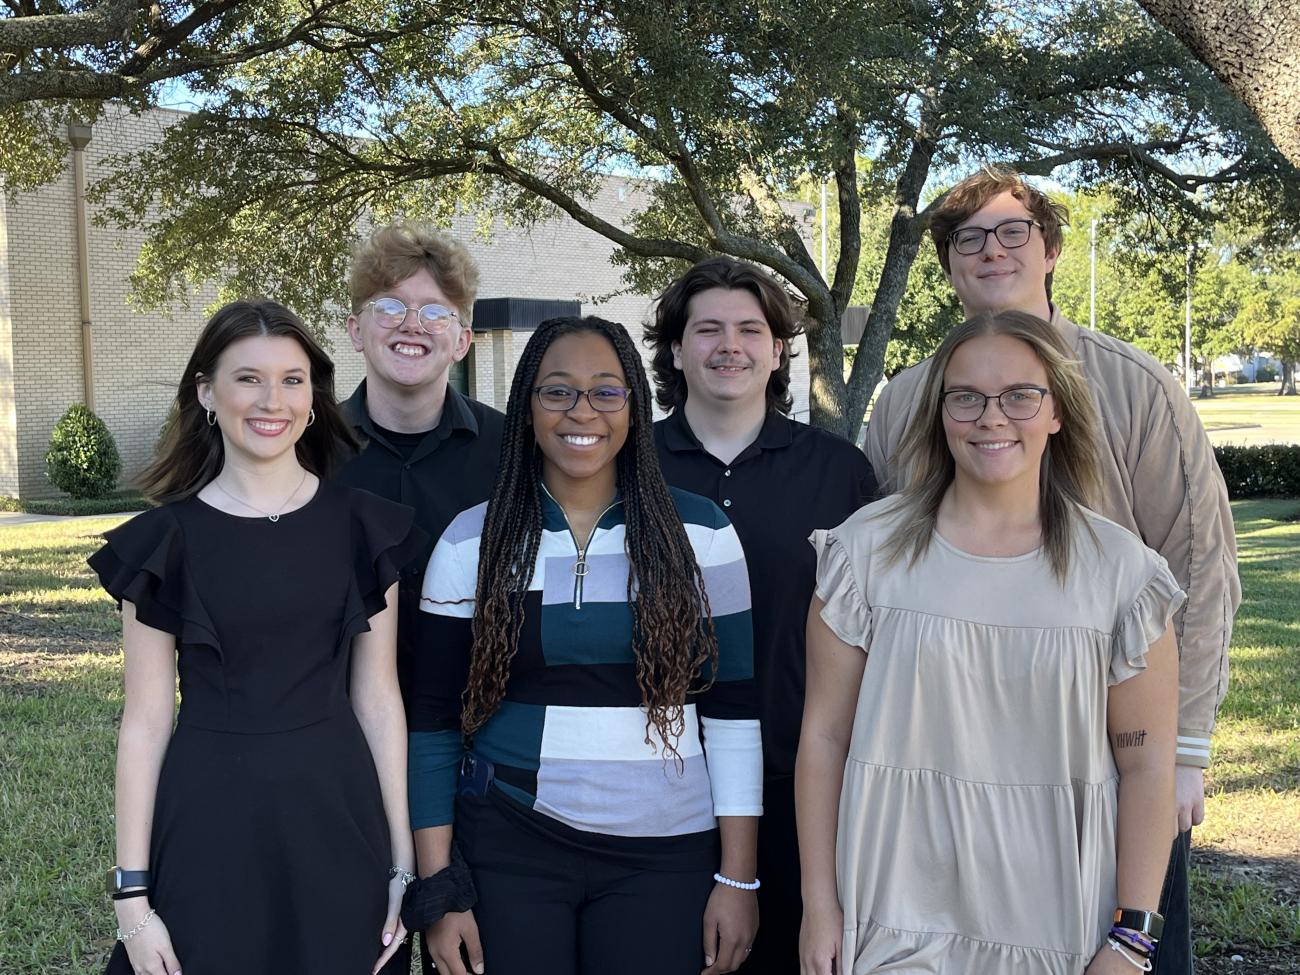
(1130,739)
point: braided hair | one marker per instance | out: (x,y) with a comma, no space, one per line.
(673,638)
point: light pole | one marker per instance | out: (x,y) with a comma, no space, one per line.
(825,273)
(1092,274)
(1187,325)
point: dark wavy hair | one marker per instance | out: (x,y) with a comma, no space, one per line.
(669,326)
(672,628)
(190,451)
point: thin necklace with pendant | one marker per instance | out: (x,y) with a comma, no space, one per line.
(270,516)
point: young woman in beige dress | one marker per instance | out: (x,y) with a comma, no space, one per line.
(986,767)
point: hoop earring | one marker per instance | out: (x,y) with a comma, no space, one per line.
(311,417)
(212,419)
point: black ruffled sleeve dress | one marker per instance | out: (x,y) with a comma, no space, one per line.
(270,849)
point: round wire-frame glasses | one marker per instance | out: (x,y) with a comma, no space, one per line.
(432,318)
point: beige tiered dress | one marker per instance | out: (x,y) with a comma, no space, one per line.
(978,814)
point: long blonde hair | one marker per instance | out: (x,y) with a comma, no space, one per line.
(1069,478)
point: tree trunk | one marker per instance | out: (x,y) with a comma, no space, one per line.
(900,254)
(1254,48)
(1287,388)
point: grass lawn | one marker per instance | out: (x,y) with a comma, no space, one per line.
(60,699)
(1251,414)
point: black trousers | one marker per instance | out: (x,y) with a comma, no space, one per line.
(780,906)
(1174,954)
(547,907)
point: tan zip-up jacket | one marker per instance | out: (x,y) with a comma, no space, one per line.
(1159,480)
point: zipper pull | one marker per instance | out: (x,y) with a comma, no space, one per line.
(580,570)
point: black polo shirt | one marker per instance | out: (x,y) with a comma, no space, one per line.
(792,479)
(453,467)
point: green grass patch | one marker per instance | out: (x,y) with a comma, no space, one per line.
(1239,916)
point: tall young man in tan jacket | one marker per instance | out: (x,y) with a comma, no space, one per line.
(998,239)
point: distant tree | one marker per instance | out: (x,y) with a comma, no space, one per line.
(1270,319)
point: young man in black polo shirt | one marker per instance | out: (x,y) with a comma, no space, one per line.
(425,444)
(721,340)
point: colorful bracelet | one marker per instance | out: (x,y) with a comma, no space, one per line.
(736,883)
(1118,947)
(1134,939)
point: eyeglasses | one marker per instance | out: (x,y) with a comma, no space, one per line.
(603,399)
(433,319)
(1010,234)
(1017,403)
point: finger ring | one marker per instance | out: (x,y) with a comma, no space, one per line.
(749,949)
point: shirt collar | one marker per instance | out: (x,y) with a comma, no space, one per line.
(456,415)
(776,432)
(1069,331)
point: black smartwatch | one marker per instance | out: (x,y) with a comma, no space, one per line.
(1148,923)
(118,879)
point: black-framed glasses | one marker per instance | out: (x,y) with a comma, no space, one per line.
(1010,234)
(1017,403)
(432,318)
(559,398)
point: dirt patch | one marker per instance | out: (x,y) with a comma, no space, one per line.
(54,634)
(29,652)
(1256,963)
(1281,873)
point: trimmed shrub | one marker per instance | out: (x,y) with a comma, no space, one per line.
(1266,471)
(1265,374)
(83,458)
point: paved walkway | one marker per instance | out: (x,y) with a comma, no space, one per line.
(8,518)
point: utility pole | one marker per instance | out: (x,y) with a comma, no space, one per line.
(825,271)
(1187,324)
(1092,284)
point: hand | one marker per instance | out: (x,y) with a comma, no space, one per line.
(1189,796)
(442,940)
(821,939)
(730,923)
(394,933)
(1108,962)
(150,952)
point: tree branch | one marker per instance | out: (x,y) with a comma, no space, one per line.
(105,23)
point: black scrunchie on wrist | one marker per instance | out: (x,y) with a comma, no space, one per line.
(448,891)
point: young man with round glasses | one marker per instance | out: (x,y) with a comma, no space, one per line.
(998,239)
(425,445)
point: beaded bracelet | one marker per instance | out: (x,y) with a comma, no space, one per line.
(736,883)
(1116,946)
(124,938)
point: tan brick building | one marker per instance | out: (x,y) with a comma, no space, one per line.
(134,357)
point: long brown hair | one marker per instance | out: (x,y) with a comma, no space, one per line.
(190,452)
(672,627)
(1069,477)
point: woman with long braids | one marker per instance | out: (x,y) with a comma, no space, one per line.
(589,636)
(268,832)
(985,779)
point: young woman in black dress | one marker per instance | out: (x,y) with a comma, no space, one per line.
(269,831)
